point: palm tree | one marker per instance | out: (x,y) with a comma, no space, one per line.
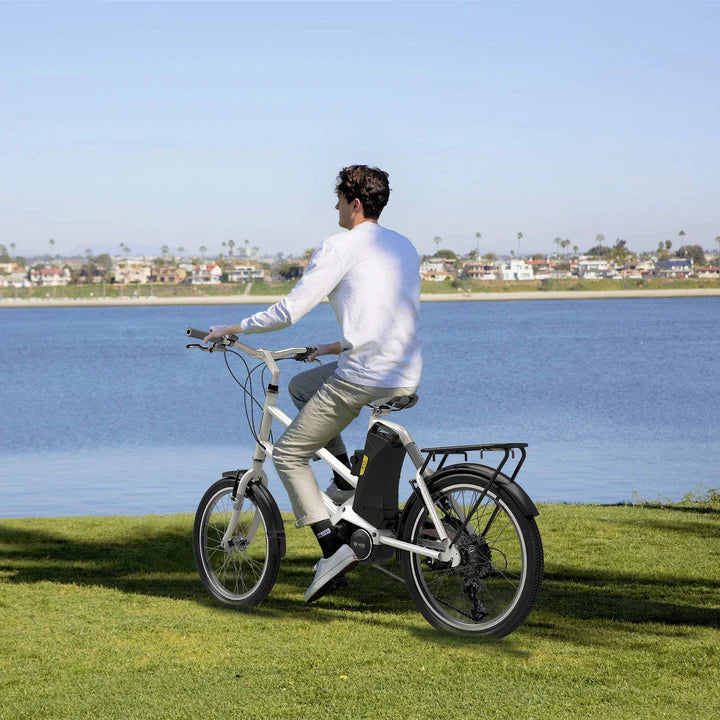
(51,242)
(717,240)
(600,239)
(231,245)
(557,241)
(247,242)
(12,247)
(575,249)
(519,237)
(203,250)
(668,245)
(181,251)
(255,250)
(681,235)
(564,244)
(437,240)
(164,250)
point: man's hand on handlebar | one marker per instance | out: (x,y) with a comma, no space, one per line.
(218,331)
(327,349)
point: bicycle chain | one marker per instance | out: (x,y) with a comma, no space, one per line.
(389,572)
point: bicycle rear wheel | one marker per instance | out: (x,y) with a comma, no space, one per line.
(495,586)
(244,571)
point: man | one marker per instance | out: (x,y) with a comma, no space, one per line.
(370,276)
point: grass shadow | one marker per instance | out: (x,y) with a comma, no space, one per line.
(157,561)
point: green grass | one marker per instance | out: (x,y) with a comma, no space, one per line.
(571,284)
(105,617)
(161,290)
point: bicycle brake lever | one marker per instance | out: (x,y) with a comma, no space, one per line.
(302,357)
(212,348)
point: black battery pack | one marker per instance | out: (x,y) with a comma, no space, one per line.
(376,496)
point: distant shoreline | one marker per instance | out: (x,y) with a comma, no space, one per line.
(429,297)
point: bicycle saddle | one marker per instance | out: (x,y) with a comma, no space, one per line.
(399,402)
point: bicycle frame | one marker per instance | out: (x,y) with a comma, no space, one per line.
(264,449)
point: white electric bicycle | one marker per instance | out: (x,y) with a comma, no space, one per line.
(466,539)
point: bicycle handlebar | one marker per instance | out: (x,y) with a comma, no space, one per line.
(259,353)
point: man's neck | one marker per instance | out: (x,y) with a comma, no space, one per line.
(359,221)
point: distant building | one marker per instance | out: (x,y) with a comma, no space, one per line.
(708,271)
(540,268)
(96,277)
(437,269)
(245,272)
(516,269)
(209,274)
(168,274)
(15,279)
(131,271)
(474,270)
(50,277)
(676,267)
(594,268)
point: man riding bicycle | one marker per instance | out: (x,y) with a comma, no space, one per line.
(370,276)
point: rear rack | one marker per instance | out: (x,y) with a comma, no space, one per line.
(507,448)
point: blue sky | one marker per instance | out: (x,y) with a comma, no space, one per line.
(191,124)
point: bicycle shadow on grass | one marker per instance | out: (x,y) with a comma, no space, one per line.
(159,562)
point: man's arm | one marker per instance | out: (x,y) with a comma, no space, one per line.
(321,276)
(329,349)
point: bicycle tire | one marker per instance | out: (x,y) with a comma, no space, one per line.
(497,583)
(244,573)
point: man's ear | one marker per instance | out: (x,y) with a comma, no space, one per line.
(357,205)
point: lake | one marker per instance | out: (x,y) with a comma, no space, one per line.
(103,411)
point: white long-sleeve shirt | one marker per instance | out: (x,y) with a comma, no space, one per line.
(371,278)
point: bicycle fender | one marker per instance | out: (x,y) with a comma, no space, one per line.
(278,535)
(520,497)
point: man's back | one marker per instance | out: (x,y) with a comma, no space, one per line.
(377,303)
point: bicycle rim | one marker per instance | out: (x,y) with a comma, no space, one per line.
(236,571)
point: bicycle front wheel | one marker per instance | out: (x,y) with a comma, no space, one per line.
(496,584)
(242,570)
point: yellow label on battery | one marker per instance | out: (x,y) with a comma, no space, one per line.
(364,464)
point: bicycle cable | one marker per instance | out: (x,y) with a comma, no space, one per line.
(247,395)
(250,402)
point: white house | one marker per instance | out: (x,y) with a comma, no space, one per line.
(50,277)
(209,274)
(516,269)
(15,279)
(592,268)
(131,270)
(675,267)
(437,269)
(246,273)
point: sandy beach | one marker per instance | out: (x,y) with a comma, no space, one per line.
(269,299)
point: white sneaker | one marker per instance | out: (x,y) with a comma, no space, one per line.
(337,495)
(328,570)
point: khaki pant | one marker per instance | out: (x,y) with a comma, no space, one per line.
(327,406)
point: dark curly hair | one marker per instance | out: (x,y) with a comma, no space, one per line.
(369,185)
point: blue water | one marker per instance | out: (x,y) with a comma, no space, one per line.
(103,411)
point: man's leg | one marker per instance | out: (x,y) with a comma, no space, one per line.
(329,411)
(301,388)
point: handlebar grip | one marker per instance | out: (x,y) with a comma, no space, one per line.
(198,334)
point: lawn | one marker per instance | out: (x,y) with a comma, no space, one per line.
(105,617)
(161,290)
